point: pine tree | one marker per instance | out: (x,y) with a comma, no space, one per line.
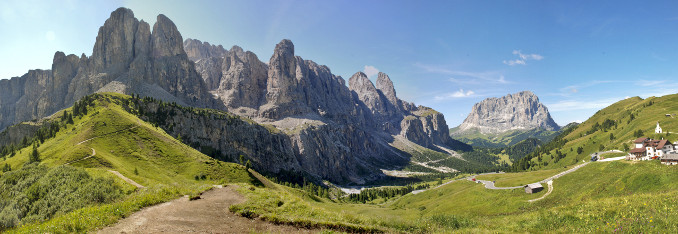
(64,117)
(35,155)
(248,165)
(6,168)
(76,109)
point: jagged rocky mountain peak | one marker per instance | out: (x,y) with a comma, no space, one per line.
(328,129)
(359,81)
(115,41)
(518,111)
(196,49)
(284,47)
(166,39)
(385,84)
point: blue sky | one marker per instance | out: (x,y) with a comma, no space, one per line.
(577,56)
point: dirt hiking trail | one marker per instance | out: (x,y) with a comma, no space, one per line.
(209,214)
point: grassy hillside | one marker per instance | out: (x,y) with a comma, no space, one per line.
(614,127)
(120,142)
(600,197)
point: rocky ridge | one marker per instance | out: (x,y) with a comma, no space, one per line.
(350,126)
(126,58)
(519,111)
(326,128)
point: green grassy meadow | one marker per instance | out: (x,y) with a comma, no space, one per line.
(518,179)
(599,197)
(612,128)
(146,154)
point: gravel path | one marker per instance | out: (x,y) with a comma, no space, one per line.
(126,179)
(550,184)
(110,133)
(209,214)
(94,152)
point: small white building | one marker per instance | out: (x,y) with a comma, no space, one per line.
(647,149)
(658,129)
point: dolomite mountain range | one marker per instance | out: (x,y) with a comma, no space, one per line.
(306,119)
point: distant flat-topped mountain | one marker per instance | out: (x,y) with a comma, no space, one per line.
(332,131)
(520,114)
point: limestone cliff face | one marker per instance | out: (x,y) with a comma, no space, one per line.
(126,58)
(197,50)
(243,82)
(336,131)
(208,60)
(521,111)
(318,124)
(228,136)
(368,94)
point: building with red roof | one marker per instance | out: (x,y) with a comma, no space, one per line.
(646,149)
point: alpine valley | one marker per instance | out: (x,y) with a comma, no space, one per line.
(305,118)
(156,133)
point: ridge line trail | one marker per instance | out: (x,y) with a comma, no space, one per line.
(110,133)
(128,180)
(94,152)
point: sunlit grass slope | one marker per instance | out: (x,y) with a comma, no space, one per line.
(600,197)
(123,143)
(612,128)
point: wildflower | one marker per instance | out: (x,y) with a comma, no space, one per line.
(650,220)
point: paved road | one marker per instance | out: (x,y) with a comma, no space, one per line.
(490,185)
(612,159)
(564,173)
(605,152)
(465,178)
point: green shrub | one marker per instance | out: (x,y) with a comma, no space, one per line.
(36,193)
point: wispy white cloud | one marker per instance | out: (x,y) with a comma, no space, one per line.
(522,58)
(458,94)
(646,83)
(573,89)
(573,104)
(465,77)
(370,71)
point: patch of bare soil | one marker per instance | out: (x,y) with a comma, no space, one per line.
(209,214)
